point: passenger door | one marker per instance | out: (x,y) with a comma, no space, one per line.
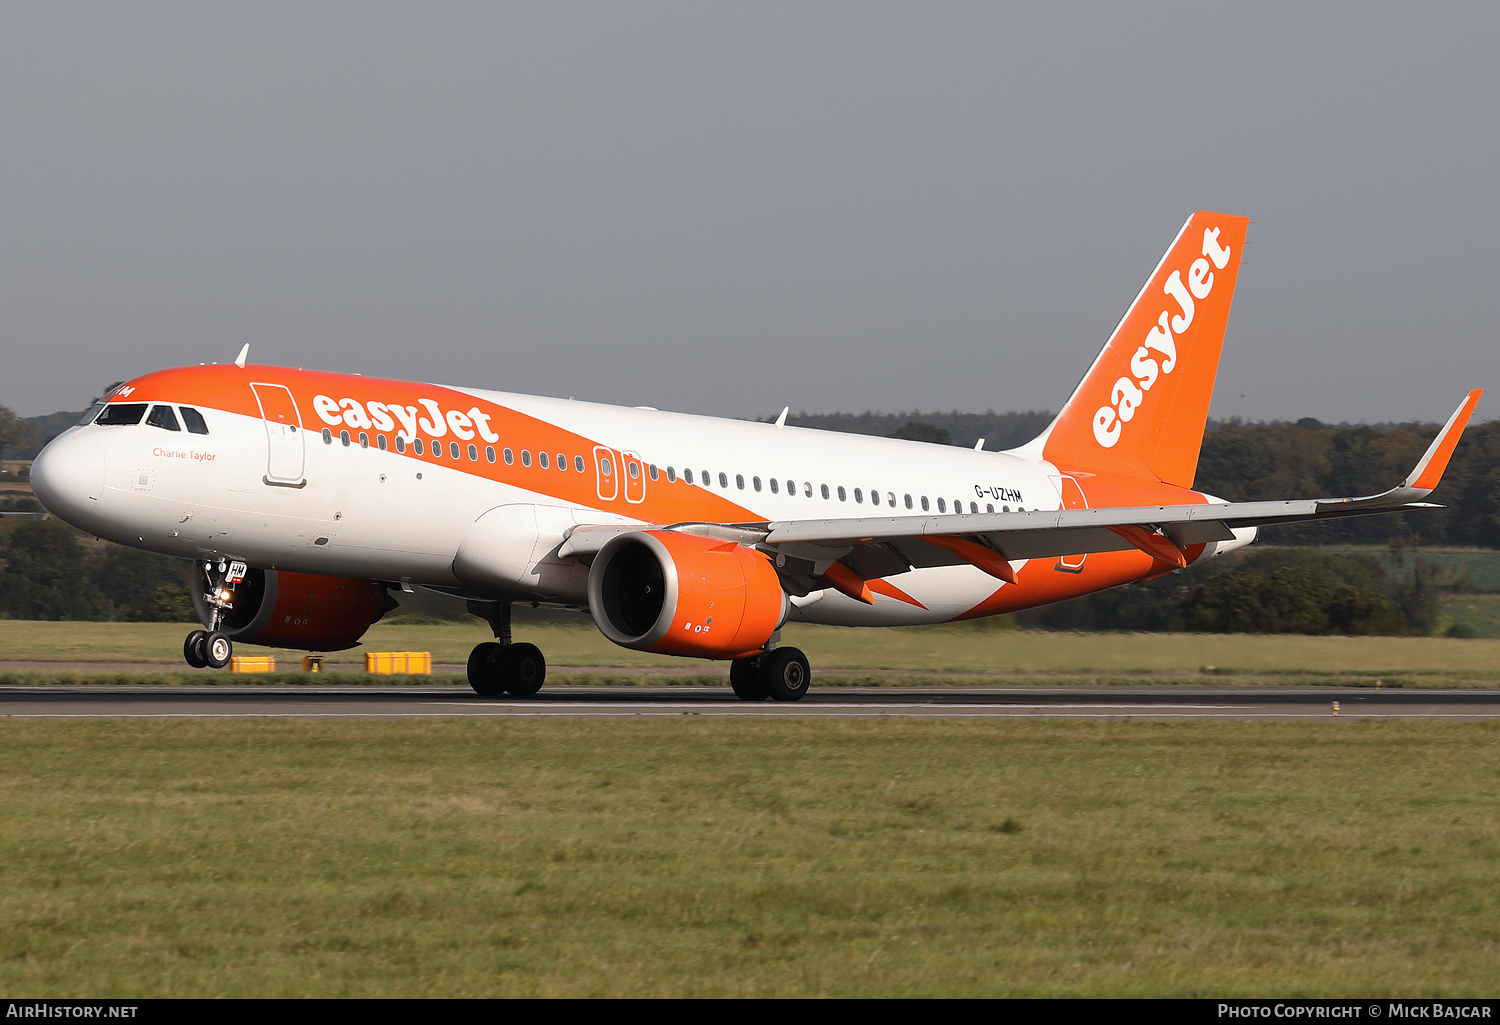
(285,450)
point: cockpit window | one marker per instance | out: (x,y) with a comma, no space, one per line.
(88,417)
(163,417)
(122,414)
(193,420)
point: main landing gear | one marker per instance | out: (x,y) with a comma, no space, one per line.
(781,673)
(212,648)
(499,667)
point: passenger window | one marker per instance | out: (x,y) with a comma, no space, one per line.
(974,507)
(908,501)
(942,506)
(380,442)
(671,475)
(652,470)
(775,489)
(723,480)
(807,489)
(526,459)
(122,414)
(327,436)
(489,453)
(708,479)
(890,499)
(453,449)
(874,496)
(416,446)
(193,420)
(924,503)
(562,462)
(859,496)
(364,440)
(437,450)
(990,507)
(578,463)
(541,460)
(687,475)
(739,481)
(635,470)
(606,466)
(344,438)
(842,496)
(825,490)
(510,457)
(473,454)
(400,443)
(163,417)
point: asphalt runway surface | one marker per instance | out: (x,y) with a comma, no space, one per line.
(446,701)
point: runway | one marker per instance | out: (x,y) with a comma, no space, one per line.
(444,701)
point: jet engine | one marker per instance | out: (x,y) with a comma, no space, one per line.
(683,594)
(299,610)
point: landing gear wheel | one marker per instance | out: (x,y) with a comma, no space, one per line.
(217,650)
(484,670)
(744,679)
(496,669)
(784,672)
(524,669)
(192,649)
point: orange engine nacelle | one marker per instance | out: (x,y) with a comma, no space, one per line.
(300,610)
(682,594)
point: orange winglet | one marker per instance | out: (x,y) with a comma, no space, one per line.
(844,579)
(1153,544)
(890,590)
(987,559)
(1430,470)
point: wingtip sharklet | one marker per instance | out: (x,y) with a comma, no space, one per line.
(1429,471)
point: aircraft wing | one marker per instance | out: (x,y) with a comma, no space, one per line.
(846,552)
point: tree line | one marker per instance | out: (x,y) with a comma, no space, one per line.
(50,571)
(1247,462)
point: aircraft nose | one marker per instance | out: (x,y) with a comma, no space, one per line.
(68,477)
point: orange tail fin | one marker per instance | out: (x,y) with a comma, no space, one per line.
(1141,408)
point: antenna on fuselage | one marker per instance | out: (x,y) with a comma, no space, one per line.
(781,420)
(239,360)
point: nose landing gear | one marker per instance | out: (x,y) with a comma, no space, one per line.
(499,667)
(212,648)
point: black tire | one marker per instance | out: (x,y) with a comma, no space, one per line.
(484,670)
(192,649)
(523,668)
(218,649)
(785,674)
(744,679)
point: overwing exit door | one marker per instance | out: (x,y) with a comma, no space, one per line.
(285,450)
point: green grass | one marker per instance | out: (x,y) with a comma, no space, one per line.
(1479,612)
(954,655)
(947,654)
(697,857)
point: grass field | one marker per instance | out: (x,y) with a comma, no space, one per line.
(758,857)
(976,653)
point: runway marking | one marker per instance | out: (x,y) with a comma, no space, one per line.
(935,712)
(850,704)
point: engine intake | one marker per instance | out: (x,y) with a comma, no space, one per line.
(682,594)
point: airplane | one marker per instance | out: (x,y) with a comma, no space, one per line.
(306,498)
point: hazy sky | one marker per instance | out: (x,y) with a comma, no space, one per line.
(728,208)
